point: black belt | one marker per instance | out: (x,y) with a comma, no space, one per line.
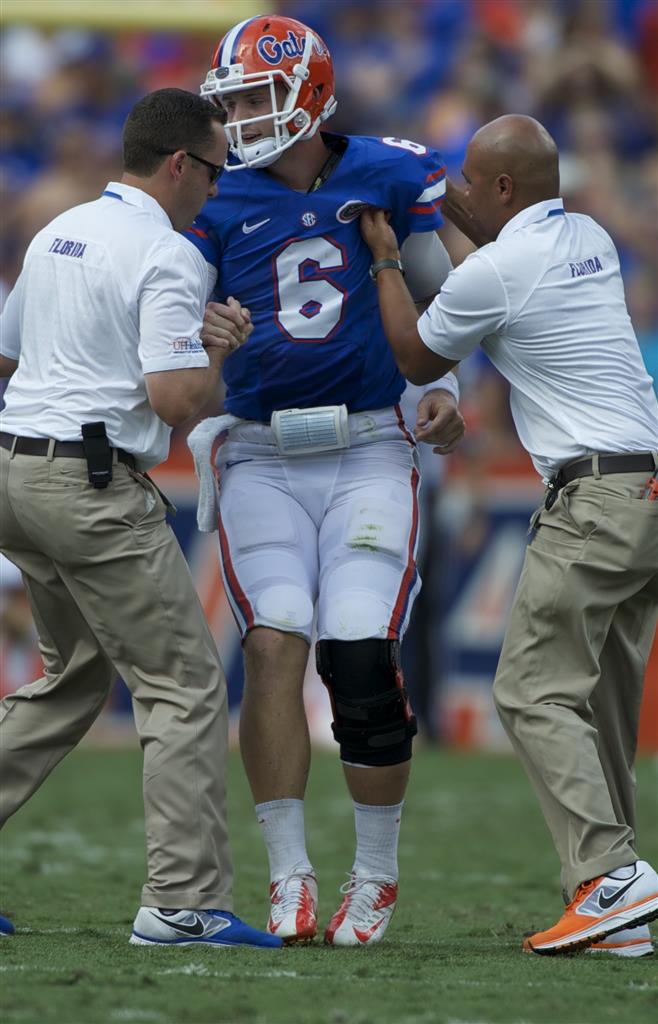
(62,449)
(640,462)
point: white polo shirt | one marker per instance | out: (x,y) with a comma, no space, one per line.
(546,303)
(108,292)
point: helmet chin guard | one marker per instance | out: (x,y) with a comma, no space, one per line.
(261,52)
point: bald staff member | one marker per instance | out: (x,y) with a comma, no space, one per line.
(544,298)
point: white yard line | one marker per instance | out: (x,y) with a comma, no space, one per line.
(127,1014)
(202,971)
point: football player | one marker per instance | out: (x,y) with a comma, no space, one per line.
(319,481)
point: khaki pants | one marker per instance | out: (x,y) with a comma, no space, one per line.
(569,682)
(111,592)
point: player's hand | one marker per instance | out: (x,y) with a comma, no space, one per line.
(378,235)
(226,326)
(439,421)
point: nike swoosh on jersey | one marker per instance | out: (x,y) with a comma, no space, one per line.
(187,929)
(248,228)
(605,902)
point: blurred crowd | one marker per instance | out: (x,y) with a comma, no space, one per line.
(429,70)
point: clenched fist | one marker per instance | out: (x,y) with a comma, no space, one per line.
(226,326)
(439,422)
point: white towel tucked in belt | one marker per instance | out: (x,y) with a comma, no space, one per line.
(201,442)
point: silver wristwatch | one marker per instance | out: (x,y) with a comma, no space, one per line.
(387,264)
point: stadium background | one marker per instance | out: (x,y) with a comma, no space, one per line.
(430,70)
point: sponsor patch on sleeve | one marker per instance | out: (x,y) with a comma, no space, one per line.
(186,346)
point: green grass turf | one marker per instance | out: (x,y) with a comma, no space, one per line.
(477,870)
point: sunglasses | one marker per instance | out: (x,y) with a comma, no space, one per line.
(214,169)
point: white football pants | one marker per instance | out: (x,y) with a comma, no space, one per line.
(336,530)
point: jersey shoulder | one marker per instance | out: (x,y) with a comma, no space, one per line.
(410,176)
(406,161)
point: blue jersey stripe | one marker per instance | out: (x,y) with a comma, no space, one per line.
(113,195)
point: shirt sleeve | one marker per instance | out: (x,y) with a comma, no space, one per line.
(449,382)
(203,235)
(171,306)
(426,264)
(413,179)
(428,192)
(10,335)
(471,305)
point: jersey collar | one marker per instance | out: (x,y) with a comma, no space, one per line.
(531,215)
(136,197)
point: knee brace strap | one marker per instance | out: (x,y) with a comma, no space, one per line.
(373,720)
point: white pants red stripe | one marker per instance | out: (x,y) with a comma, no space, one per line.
(333,533)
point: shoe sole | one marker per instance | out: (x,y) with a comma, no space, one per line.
(295,938)
(632,917)
(139,940)
(628,950)
(356,944)
(350,945)
(299,940)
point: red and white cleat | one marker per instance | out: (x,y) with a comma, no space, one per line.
(294,909)
(364,914)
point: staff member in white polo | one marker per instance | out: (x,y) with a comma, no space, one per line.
(545,301)
(101,339)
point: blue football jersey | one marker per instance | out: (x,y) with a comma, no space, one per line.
(298,262)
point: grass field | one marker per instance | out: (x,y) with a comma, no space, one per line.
(477,871)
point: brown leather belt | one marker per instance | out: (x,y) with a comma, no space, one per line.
(639,462)
(633,462)
(62,449)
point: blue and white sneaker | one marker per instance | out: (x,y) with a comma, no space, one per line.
(154,927)
(6,927)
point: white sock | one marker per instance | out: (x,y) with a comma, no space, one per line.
(377,830)
(282,825)
(626,872)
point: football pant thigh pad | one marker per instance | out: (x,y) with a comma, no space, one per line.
(373,721)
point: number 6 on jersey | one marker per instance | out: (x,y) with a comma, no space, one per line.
(309,305)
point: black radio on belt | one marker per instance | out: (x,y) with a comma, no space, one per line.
(97,453)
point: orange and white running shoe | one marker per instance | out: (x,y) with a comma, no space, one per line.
(627,942)
(600,908)
(363,916)
(294,907)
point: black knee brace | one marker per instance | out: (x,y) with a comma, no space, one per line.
(373,721)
